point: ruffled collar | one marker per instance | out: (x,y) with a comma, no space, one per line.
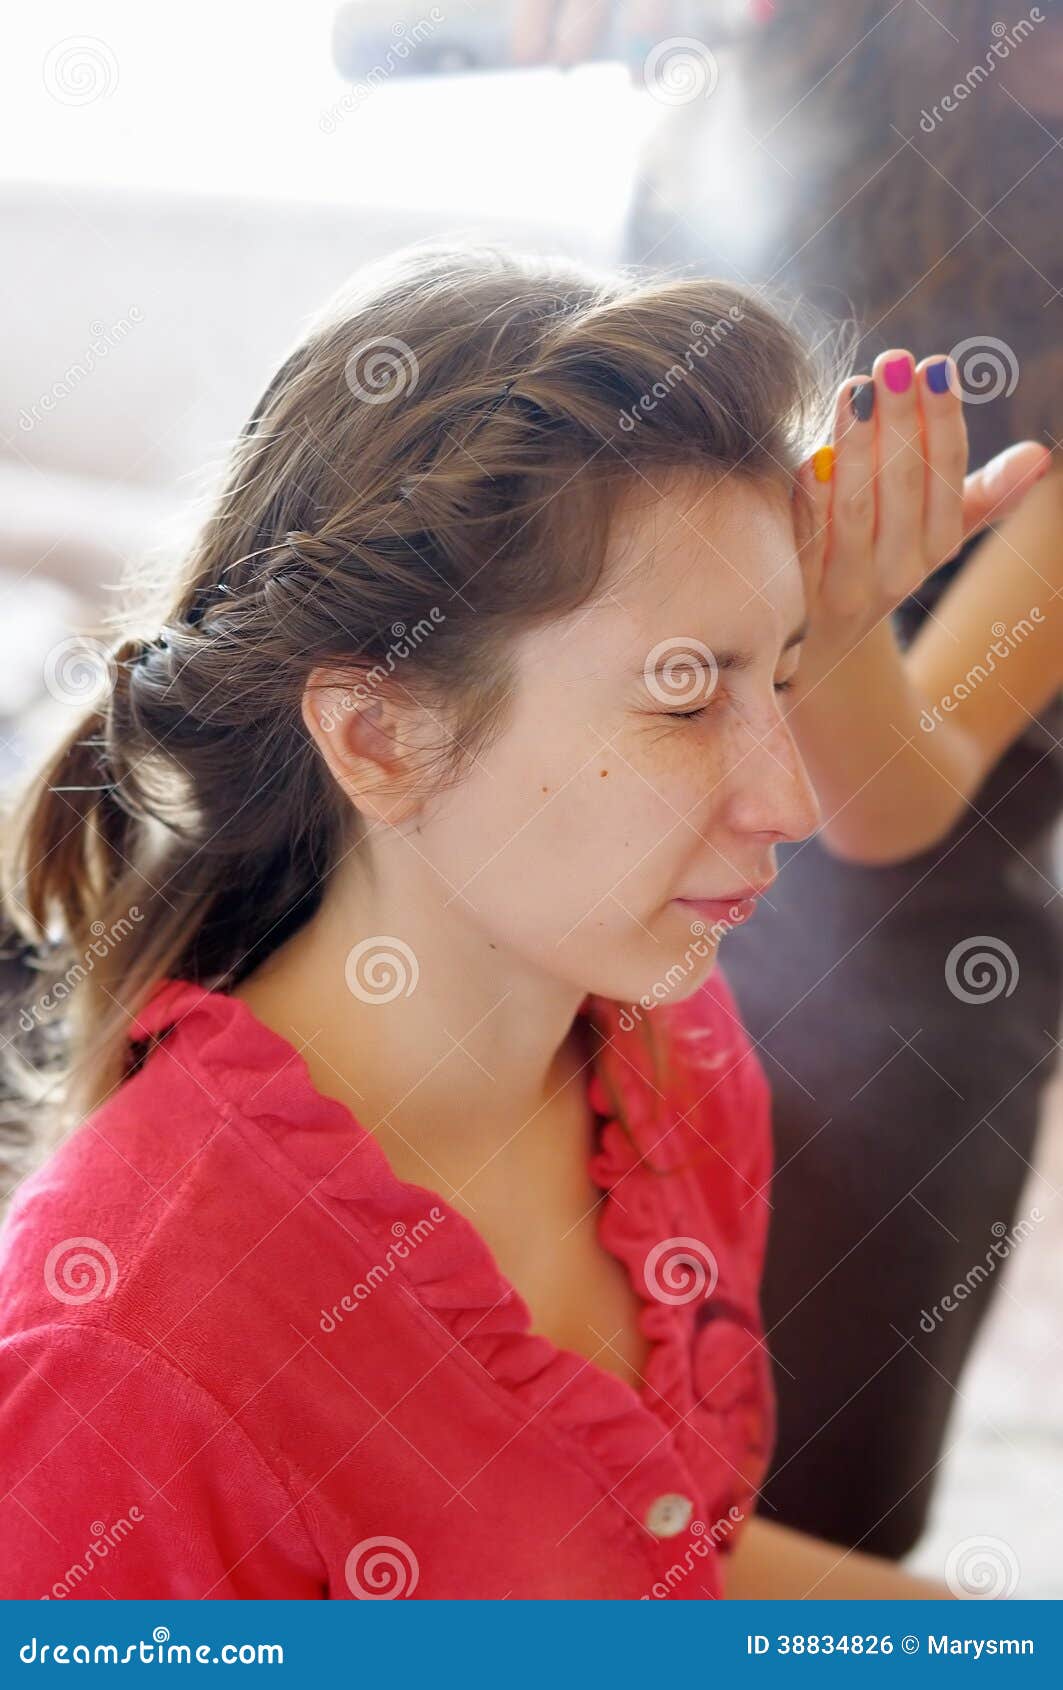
(265,1075)
(622,1430)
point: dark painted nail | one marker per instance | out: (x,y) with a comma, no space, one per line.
(937,376)
(862,400)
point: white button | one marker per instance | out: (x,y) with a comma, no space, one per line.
(668,1514)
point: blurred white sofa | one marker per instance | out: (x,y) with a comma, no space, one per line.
(137,331)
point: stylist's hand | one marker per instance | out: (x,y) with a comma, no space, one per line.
(889,500)
(545,32)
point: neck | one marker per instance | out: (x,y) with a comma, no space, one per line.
(442,1045)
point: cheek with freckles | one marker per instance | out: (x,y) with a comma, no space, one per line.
(678,766)
(623,835)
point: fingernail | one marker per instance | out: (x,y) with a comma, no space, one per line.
(823,463)
(898,373)
(862,400)
(937,376)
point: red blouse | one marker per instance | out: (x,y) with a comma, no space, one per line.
(240,1358)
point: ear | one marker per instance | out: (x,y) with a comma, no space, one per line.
(367,738)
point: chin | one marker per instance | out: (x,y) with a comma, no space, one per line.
(678,973)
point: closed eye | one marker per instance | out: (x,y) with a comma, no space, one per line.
(703,709)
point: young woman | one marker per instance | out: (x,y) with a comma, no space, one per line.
(408,1237)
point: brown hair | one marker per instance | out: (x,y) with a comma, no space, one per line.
(432,467)
(919,192)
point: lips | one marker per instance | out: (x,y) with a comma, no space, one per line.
(741,896)
(733,908)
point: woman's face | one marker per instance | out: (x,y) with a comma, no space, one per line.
(612,793)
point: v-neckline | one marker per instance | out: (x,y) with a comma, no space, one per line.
(363,1174)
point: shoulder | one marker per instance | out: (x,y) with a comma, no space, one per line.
(186,1187)
(118,1217)
(135,1265)
(103,1441)
(163,1222)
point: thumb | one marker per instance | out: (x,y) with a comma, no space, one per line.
(1000,484)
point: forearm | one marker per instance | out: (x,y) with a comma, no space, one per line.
(991,656)
(774,1562)
(888,788)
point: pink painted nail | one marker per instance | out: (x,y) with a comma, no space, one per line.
(898,373)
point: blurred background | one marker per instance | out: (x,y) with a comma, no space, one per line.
(181,187)
(180,190)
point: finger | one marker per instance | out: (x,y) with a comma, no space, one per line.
(1001,483)
(849,566)
(945,446)
(812,495)
(901,475)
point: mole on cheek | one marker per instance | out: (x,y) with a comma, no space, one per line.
(603,773)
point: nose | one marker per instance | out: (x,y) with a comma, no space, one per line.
(772,796)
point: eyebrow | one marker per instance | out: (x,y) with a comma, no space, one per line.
(735,661)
